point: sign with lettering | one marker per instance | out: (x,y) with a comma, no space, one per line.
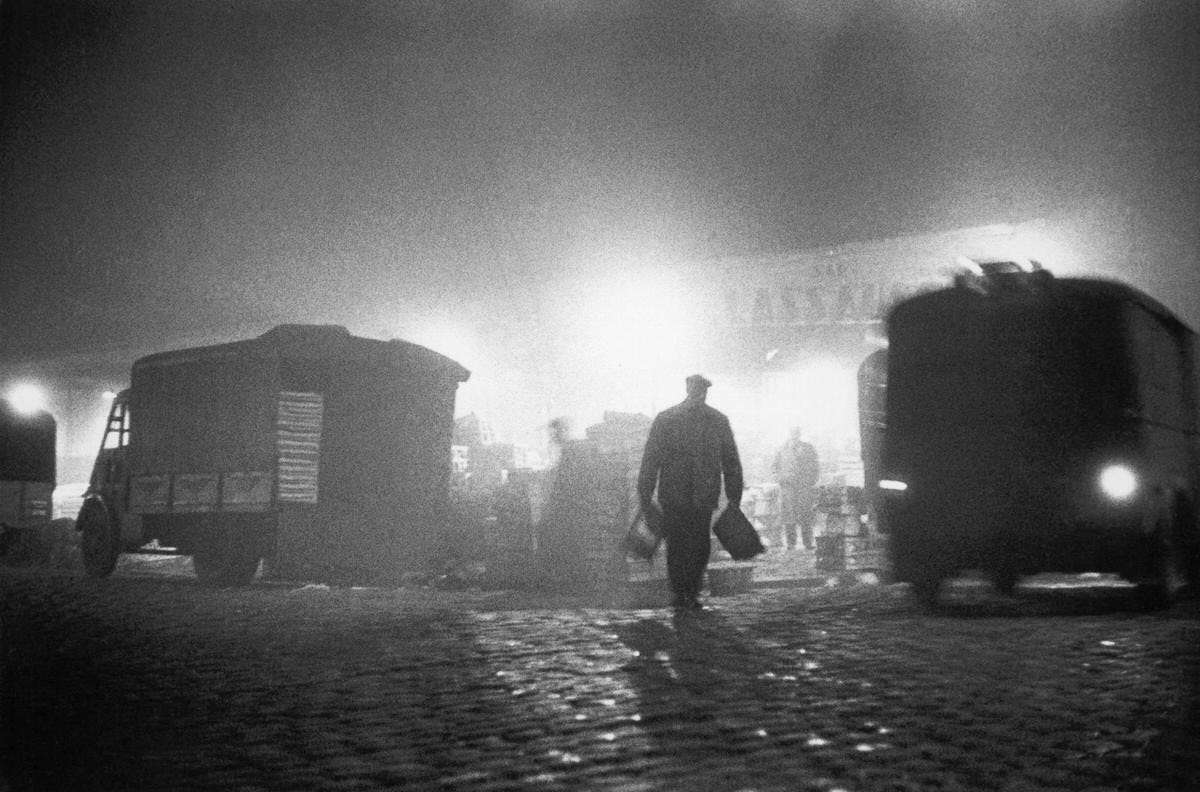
(798,291)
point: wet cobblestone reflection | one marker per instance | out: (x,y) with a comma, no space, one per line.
(160,684)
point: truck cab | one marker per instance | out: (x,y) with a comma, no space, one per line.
(104,521)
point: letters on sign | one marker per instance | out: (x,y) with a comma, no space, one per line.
(838,288)
(846,302)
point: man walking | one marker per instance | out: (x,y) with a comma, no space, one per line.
(689,450)
(797,470)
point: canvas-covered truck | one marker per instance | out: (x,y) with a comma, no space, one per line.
(27,473)
(325,454)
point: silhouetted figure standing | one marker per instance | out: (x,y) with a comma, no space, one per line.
(797,470)
(514,513)
(689,449)
(560,554)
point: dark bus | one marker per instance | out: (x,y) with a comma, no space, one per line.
(1040,424)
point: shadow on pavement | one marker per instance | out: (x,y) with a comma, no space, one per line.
(700,683)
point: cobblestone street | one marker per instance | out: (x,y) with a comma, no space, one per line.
(154,682)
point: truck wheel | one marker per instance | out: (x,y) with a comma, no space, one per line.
(98,543)
(207,562)
(1005,580)
(227,559)
(926,587)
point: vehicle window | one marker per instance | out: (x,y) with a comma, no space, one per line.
(116,434)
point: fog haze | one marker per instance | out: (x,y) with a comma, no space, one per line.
(191,170)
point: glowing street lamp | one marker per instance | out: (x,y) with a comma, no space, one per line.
(27,398)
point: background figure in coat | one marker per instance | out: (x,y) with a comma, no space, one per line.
(797,470)
(689,449)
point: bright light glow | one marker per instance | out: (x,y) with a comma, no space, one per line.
(820,397)
(633,328)
(1118,482)
(1023,244)
(1037,242)
(27,398)
(892,484)
(634,313)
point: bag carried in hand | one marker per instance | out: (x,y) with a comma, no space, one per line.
(645,533)
(737,534)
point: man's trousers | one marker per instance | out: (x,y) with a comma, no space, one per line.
(687,533)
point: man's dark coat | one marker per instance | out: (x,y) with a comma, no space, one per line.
(689,447)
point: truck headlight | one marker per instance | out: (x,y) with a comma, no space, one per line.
(1118,482)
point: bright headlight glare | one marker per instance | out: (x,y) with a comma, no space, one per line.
(1118,482)
(892,484)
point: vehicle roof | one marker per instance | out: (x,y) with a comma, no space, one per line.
(1088,289)
(314,341)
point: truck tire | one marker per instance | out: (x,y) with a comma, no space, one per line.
(925,587)
(227,558)
(1005,579)
(99,544)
